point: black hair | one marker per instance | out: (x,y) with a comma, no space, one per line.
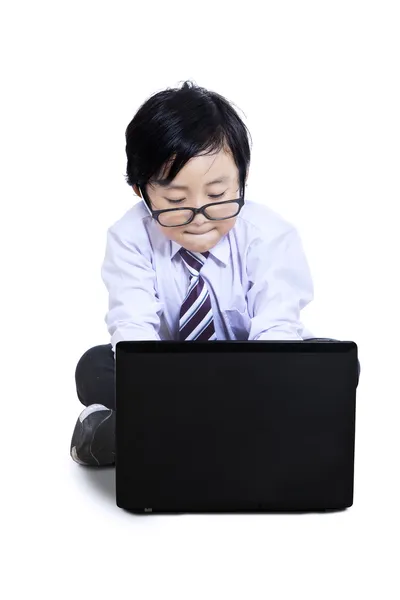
(184,122)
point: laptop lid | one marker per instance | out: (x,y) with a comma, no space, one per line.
(235,426)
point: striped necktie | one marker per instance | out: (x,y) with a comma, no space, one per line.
(196,319)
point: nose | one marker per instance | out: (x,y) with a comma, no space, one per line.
(199,219)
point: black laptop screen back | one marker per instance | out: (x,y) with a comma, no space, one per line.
(239,426)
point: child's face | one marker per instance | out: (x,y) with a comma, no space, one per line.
(201,234)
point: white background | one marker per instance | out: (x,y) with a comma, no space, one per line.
(318,87)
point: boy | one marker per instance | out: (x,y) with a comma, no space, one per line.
(192,260)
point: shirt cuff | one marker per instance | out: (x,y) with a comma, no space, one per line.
(131,334)
(278,334)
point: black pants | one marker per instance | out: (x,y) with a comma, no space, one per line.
(95,375)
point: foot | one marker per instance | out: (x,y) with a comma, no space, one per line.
(93,439)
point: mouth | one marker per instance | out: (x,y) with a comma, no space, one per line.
(199,232)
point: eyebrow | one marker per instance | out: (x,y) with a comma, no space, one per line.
(163,183)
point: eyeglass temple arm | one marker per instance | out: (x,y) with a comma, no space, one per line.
(144,201)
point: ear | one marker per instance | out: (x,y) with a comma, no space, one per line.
(136,190)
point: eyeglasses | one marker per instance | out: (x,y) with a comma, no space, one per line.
(217,211)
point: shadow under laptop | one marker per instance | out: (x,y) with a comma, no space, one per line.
(233,512)
(102,479)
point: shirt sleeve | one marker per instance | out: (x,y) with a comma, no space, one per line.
(133,307)
(280,287)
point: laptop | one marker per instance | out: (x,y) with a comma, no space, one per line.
(235,426)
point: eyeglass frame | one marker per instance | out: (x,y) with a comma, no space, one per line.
(195,211)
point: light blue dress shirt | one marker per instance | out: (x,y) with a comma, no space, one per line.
(257,276)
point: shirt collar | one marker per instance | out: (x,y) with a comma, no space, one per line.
(220,250)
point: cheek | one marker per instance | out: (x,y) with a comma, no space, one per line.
(172,233)
(224,226)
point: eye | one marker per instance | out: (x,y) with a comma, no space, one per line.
(213,196)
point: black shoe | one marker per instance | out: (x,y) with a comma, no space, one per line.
(93,440)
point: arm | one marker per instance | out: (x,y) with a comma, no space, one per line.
(281,285)
(133,307)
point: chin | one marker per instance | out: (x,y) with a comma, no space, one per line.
(198,247)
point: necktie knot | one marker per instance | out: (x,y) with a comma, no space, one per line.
(193,260)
